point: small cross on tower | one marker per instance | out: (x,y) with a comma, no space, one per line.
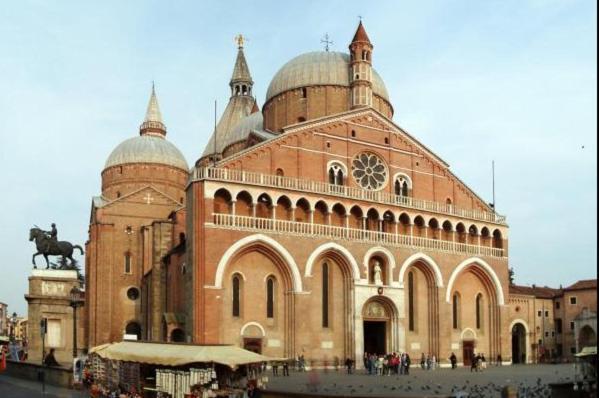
(148,198)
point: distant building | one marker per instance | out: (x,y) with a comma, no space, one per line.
(21,329)
(550,324)
(3,319)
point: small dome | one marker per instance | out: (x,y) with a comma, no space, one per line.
(147,149)
(318,68)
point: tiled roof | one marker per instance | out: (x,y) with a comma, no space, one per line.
(536,291)
(583,284)
(361,34)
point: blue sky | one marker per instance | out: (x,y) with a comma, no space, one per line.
(513,81)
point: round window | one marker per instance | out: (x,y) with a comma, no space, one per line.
(369,171)
(133,293)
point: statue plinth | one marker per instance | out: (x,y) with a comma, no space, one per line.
(49,297)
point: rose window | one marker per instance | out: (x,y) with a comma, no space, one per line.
(369,171)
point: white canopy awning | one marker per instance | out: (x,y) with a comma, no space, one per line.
(168,354)
(587,351)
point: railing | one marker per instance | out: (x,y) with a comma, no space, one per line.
(268,180)
(334,232)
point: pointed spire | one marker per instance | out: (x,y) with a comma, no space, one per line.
(152,124)
(255,108)
(361,34)
(241,80)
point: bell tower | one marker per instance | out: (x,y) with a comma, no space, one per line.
(360,51)
(241,82)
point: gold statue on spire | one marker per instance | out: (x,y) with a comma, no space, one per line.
(240,39)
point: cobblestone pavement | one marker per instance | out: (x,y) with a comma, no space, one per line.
(531,380)
(11,387)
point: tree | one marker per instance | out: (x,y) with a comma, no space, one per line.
(511,274)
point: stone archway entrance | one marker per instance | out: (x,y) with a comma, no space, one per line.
(377,327)
(586,337)
(518,343)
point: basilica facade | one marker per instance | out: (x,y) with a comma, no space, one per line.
(312,226)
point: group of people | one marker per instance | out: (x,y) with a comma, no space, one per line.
(387,364)
(479,363)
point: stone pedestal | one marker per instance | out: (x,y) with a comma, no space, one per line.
(49,297)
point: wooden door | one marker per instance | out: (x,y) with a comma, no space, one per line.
(254,345)
(468,352)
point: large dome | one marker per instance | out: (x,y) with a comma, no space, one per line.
(318,68)
(147,149)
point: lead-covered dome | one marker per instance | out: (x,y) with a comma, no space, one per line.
(318,68)
(147,149)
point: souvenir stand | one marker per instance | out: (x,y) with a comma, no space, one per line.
(175,370)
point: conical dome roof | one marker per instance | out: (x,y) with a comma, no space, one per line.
(150,146)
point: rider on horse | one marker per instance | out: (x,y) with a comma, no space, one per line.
(52,237)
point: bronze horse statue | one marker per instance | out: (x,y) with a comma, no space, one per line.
(48,247)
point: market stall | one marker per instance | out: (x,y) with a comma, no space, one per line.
(175,370)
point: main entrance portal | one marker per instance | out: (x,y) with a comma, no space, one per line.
(378,334)
(468,352)
(375,337)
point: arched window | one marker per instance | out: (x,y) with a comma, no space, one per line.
(479,310)
(325,295)
(402,185)
(456,311)
(336,174)
(236,296)
(304,92)
(411,301)
(270,298)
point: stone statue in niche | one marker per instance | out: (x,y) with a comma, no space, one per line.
(377,273)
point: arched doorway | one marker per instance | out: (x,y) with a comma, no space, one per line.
(177,336)
(133,328)
(518,343)
(586,337)
(377,316)
(252,335)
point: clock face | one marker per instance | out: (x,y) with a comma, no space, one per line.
(369,171)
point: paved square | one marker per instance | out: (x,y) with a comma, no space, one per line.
(430,383)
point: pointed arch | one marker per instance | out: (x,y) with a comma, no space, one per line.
(475,261)
(355,270)
(425,259)
(296,278)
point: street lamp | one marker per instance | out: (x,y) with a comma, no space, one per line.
(13,324)
(75,302)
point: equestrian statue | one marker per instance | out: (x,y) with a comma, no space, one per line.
(47,244)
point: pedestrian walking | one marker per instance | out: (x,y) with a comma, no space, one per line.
(348,365)
(422,361)
(454,360)
(285,368)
